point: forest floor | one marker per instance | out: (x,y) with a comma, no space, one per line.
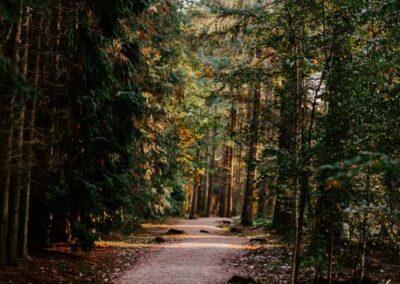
(204,250)
(270,261)
(106,262)
(204,253)
(62,264)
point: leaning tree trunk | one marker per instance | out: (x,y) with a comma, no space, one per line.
(306,144)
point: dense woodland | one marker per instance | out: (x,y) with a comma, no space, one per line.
(285,113)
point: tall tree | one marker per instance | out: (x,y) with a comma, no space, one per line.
(247,212)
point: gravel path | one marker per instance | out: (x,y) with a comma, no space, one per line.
(196,259)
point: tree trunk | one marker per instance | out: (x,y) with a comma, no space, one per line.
(194,198)
(10,211)
(30,125)
(199,206)
(21,151)
(196,187)
(284,216)
(247,212)
(223,187)
(206,180)
(230,168)
(5,193)
(211,174)
(237,196)
(299,229)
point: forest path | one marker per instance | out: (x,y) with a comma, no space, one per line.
(199,258)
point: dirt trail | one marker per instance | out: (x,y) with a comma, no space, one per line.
(196,259)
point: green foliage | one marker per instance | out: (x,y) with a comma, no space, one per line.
(112,90)
(330,127)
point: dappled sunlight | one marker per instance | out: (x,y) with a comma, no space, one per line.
(182,226)
(196,245)
(155,226)
(122,244)
(200,236)
(185,245)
